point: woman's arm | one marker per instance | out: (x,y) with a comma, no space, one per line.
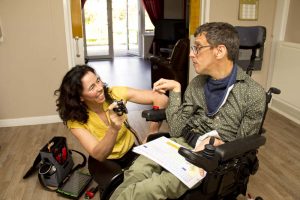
(100,150)
(148,97)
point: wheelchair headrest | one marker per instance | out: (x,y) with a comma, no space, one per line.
(251,36)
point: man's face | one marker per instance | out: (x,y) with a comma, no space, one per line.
(202,55)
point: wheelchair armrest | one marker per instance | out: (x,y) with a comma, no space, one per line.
(238,147)
(211,156)
(199,159)
(157,135)
(154,115)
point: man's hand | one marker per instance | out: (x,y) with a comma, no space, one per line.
(201,146)
(163,85)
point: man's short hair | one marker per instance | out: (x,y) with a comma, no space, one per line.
(218,33)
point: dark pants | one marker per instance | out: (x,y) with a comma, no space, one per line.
(103,172)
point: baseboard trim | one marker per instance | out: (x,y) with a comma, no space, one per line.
(285,109)
(30,121)
(277,105)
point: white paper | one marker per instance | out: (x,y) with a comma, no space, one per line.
(165,152)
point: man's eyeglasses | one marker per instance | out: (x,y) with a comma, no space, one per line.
(197,48)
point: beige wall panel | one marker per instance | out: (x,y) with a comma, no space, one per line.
(33,57)
(292,33)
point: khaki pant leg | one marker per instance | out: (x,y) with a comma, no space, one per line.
(149,186)
(159,186)
(146,180)
(141,169)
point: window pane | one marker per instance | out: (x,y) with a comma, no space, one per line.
(148,24)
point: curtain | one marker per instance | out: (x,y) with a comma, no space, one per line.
(82,3)
(155,9)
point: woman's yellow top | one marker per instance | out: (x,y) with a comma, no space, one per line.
(98,128)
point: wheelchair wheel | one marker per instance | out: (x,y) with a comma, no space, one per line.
(231,197)
(259,198)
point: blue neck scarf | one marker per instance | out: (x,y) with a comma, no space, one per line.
(217,91)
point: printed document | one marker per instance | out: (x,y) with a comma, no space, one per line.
(165,152)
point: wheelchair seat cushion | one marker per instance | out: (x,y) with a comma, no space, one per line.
(103,172)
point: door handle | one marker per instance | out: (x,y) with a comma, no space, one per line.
(77,46)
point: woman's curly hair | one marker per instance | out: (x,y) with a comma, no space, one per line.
(68,103)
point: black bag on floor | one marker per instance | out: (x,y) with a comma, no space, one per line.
(55,164)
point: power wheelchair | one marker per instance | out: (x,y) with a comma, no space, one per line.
(228,166)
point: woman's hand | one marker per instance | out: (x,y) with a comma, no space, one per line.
(163,85)
(116,121)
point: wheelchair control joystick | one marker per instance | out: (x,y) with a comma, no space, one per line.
(209,151)
(121,108)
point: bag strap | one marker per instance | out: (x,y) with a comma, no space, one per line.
(78,166)
(34,167)
(49,188)
(133,132)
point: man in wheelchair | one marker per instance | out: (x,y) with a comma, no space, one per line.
(222,98)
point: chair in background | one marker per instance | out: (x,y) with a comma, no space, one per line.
(252,40)
(166,33)
(175,67)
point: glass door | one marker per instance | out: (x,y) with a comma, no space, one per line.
(98,39)
(111,28)
(119,15)
(134,35)
(125,27)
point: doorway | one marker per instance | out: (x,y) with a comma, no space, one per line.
(111,28)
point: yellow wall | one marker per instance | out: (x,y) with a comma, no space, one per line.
(194,15)
(76,18)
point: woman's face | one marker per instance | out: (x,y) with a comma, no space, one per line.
(93,91)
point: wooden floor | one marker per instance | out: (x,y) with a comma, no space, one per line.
(125,71)
(277,178)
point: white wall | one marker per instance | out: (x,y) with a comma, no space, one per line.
(286,78)
(147,41)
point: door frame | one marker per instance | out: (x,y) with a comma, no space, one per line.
(110,54)
(140,28)
(70,41)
